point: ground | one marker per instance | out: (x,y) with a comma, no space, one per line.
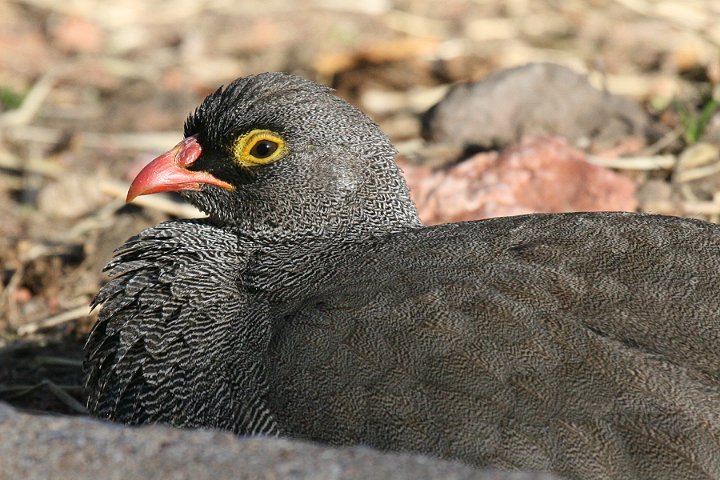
(91,90)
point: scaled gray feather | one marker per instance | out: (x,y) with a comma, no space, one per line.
(313,304)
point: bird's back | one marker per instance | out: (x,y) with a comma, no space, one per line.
(585,344)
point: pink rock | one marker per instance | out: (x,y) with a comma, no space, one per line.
(77,34)
(539,175)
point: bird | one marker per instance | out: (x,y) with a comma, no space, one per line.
(312,303)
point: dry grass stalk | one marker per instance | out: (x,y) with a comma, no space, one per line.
(161,203)
(55,320)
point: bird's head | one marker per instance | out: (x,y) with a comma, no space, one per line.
(274,151)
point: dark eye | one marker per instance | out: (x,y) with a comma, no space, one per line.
(258,147)
(263,149)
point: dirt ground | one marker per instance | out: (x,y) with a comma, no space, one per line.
(92,90)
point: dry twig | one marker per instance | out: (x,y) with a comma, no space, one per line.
(55,320)
(32,102)
(653,162)
(157,202)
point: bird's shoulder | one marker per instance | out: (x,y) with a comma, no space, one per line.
(526,330)
(644,281)
(497,293)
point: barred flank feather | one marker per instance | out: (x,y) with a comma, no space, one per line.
(174,290)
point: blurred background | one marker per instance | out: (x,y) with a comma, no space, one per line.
(621,114)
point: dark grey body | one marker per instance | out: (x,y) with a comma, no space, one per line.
(314,304)
(583,344)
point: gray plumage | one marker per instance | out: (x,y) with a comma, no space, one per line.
(313,304)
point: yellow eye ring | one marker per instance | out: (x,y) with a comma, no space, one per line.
(258,147)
